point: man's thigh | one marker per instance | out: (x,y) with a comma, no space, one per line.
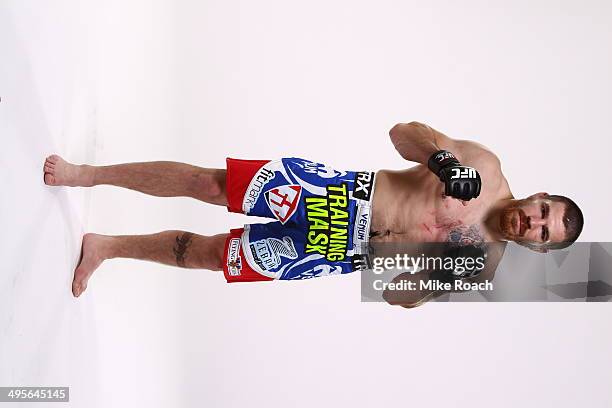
(269,251)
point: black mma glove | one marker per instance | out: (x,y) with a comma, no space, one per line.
(460,182)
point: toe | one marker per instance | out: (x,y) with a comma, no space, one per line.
(75,289)
(53,158)
(77,281)
(78,286)
(49,179)
(49,169)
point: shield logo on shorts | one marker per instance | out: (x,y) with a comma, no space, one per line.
(283,201)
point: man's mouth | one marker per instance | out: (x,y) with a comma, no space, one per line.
(519,223)
(516,224)
(522,223)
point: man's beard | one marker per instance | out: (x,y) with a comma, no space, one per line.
(510,224)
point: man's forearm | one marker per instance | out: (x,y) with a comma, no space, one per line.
(420,143)
(414,141)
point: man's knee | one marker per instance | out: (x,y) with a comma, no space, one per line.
(209,253)
(209,185)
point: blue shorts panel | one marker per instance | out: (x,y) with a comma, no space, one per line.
(279,251)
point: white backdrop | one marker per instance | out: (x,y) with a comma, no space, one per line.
(116,81)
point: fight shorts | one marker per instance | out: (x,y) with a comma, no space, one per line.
(322,220)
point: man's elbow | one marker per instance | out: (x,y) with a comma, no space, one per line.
(401,130)
(395,131)
(402,127)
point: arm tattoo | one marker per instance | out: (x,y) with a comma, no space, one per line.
(182,243)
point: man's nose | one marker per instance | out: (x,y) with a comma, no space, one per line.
(535,222)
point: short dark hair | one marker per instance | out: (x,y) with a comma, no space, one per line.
(573,221)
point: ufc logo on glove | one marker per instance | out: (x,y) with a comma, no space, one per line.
(465,172)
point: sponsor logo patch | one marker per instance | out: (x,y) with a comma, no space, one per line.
(234,261)
(362,189)
(267,252)
(259,181)
(361,230)
(283,201)
(328,223)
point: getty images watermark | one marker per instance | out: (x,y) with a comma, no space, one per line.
(452,275)
(407,273)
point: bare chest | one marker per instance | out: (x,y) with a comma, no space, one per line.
(421,213)
(430,224)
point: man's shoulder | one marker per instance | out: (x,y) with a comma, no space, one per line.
(486,162)
(471,150)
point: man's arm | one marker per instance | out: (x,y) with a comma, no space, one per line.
(447,158)
(416,141)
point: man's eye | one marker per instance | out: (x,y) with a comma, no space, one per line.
(544,234)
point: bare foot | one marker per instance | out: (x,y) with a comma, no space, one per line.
(58,172)
(93,253)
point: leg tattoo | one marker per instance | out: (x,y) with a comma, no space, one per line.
(182,243)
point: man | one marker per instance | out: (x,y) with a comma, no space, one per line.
(325,219)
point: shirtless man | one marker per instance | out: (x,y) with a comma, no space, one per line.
(325,219)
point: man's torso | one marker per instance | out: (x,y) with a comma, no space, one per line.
(409,206)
